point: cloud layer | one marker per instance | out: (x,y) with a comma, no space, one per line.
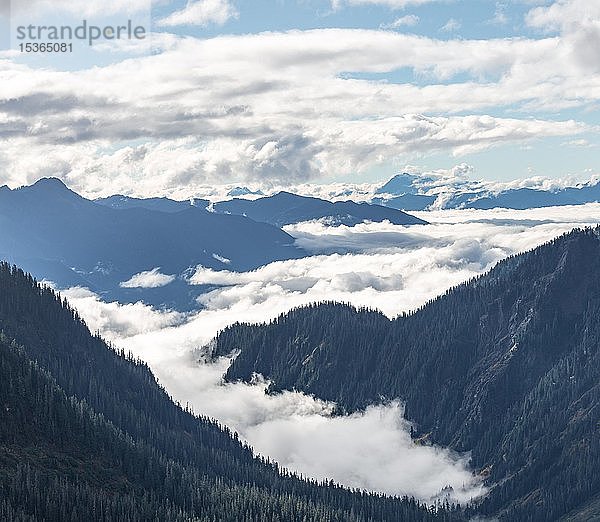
(370,450)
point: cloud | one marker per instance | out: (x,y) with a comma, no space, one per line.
(389,267)
(563,15)
(578,143)
(222,259)
(371,450)
(202,13)
(451,25)
(500,17)
(116,320)
(276,107)
(380,265)
(179,167)
(384,458)
(408,20)
(578,22)
(149,279)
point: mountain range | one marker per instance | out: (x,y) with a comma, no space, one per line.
(60,236)
(160,204)
(505,366)
(130,249)
(413,192)
(285,208)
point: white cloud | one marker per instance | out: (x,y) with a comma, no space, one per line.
(277,107)
(180,168)
(384,458)
(390,267)
(222,259)
(451,25)
(408,21)
(578,22)
(202,13)
(149,279)
(564,15)
(117,321)
(578,143)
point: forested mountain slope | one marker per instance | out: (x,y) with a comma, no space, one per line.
(506,366)
(87,434)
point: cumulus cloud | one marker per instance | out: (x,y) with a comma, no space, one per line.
(563,15)
(149,279)
(578,22)
(202,13)
(380,265)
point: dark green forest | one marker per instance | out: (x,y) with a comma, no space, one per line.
(506,366)
(87,434)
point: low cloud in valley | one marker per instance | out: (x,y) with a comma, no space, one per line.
(392,268)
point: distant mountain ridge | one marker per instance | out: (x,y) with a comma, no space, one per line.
(160,204)
(60,236)
(285,208)
(413,192)
(505,366)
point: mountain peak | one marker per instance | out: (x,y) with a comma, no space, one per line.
(244,191)
(398,185)
(50,184)
(52,187)
(285,195)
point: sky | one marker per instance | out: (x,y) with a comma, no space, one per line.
(286,92)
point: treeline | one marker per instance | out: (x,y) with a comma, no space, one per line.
(505,366)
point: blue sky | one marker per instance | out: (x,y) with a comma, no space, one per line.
(292,91)
(477,18)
